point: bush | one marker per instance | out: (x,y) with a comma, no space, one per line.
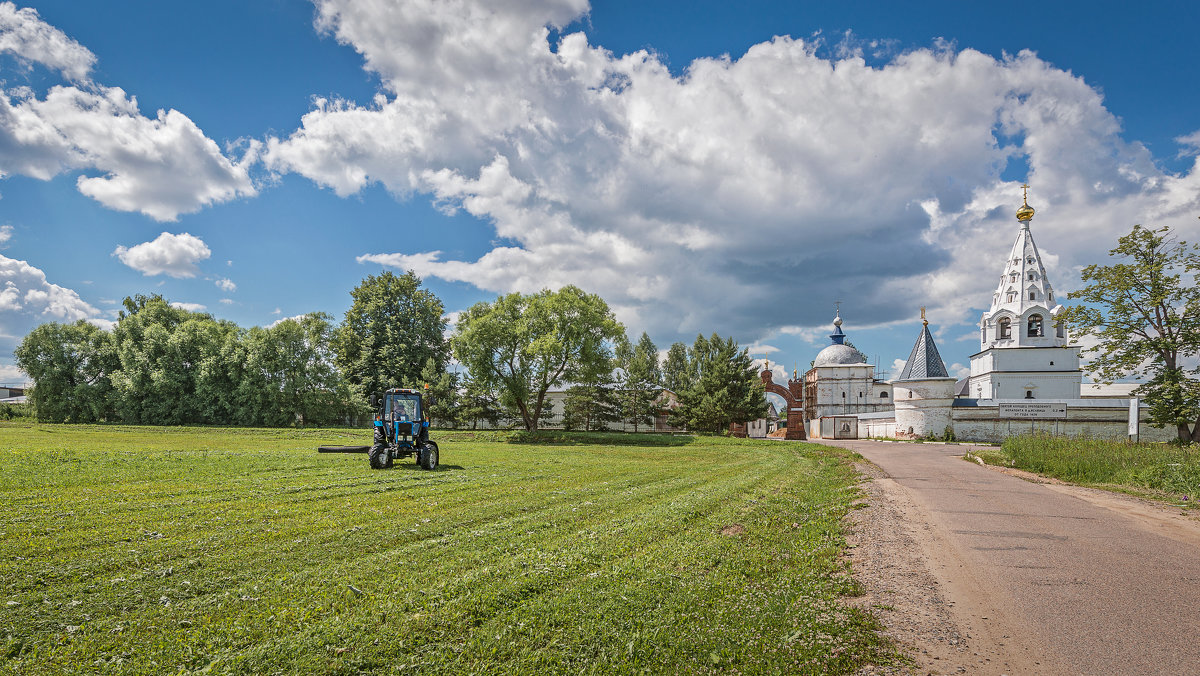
(16,412)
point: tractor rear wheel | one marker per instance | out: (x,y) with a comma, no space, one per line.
(427,456)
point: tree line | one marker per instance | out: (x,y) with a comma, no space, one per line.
(166,365)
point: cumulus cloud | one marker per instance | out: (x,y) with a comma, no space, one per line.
(27,299)
(745,192)
(277,322)
(190,307)
(171,255)
(10,374)
(6,232)
(226,284)
(161,166)
(26,36)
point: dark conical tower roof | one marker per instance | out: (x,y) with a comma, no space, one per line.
(924,361)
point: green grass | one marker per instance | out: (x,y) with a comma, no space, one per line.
(1164,471)
(216,550)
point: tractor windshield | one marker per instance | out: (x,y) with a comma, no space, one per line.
(404,406)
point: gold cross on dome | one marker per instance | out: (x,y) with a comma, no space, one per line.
(925,321)
(1025,192)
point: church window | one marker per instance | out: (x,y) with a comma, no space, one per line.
(1012,277)
(883,395)
(1050,296)
(1035,326)
(1005,328)
(1032,295)
(1058,327)
(1031,276)
(1012,295)
(1029,260)
(1029,394)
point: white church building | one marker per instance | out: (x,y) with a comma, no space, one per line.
(1025,377)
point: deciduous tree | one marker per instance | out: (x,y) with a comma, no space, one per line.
(71,366)
(522,345)
(1144,311)
(390,331)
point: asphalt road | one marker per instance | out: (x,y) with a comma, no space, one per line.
(1060,579)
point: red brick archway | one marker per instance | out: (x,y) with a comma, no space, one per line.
(792,396)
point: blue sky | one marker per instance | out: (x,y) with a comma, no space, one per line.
(259,159)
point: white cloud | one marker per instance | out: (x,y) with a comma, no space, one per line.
(172,255)
(281,320)
(959,371)
(11,374)
(161,166)
(226,301)
(5,233)
(190,307)
(27,299)
(226,284)
(739,187)
(25,35)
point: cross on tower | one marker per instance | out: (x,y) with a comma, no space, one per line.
(1025,192)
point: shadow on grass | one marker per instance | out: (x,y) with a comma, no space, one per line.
(400,465)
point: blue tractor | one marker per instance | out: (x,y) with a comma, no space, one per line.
(402,429)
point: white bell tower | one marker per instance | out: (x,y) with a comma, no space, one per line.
(1024,351)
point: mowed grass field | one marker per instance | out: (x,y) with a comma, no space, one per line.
(212,550)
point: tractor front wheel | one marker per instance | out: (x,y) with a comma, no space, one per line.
(379,456)
(427,456)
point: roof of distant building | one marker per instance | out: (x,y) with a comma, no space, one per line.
(924,361)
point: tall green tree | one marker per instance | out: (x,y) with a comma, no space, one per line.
(1144,312)
(641,380)
(522,345)
(289,376)
(392,328)
(677,374)
(726,390)
(162,352)
(71,366)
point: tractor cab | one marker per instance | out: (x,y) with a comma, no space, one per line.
(402,406)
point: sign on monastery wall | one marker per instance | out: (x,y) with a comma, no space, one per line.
(1028,410)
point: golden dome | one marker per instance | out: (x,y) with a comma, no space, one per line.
(1025,212)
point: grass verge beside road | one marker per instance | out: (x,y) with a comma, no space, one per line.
(1162,471)
(168,550)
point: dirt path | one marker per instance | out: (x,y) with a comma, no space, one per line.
(982,572)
